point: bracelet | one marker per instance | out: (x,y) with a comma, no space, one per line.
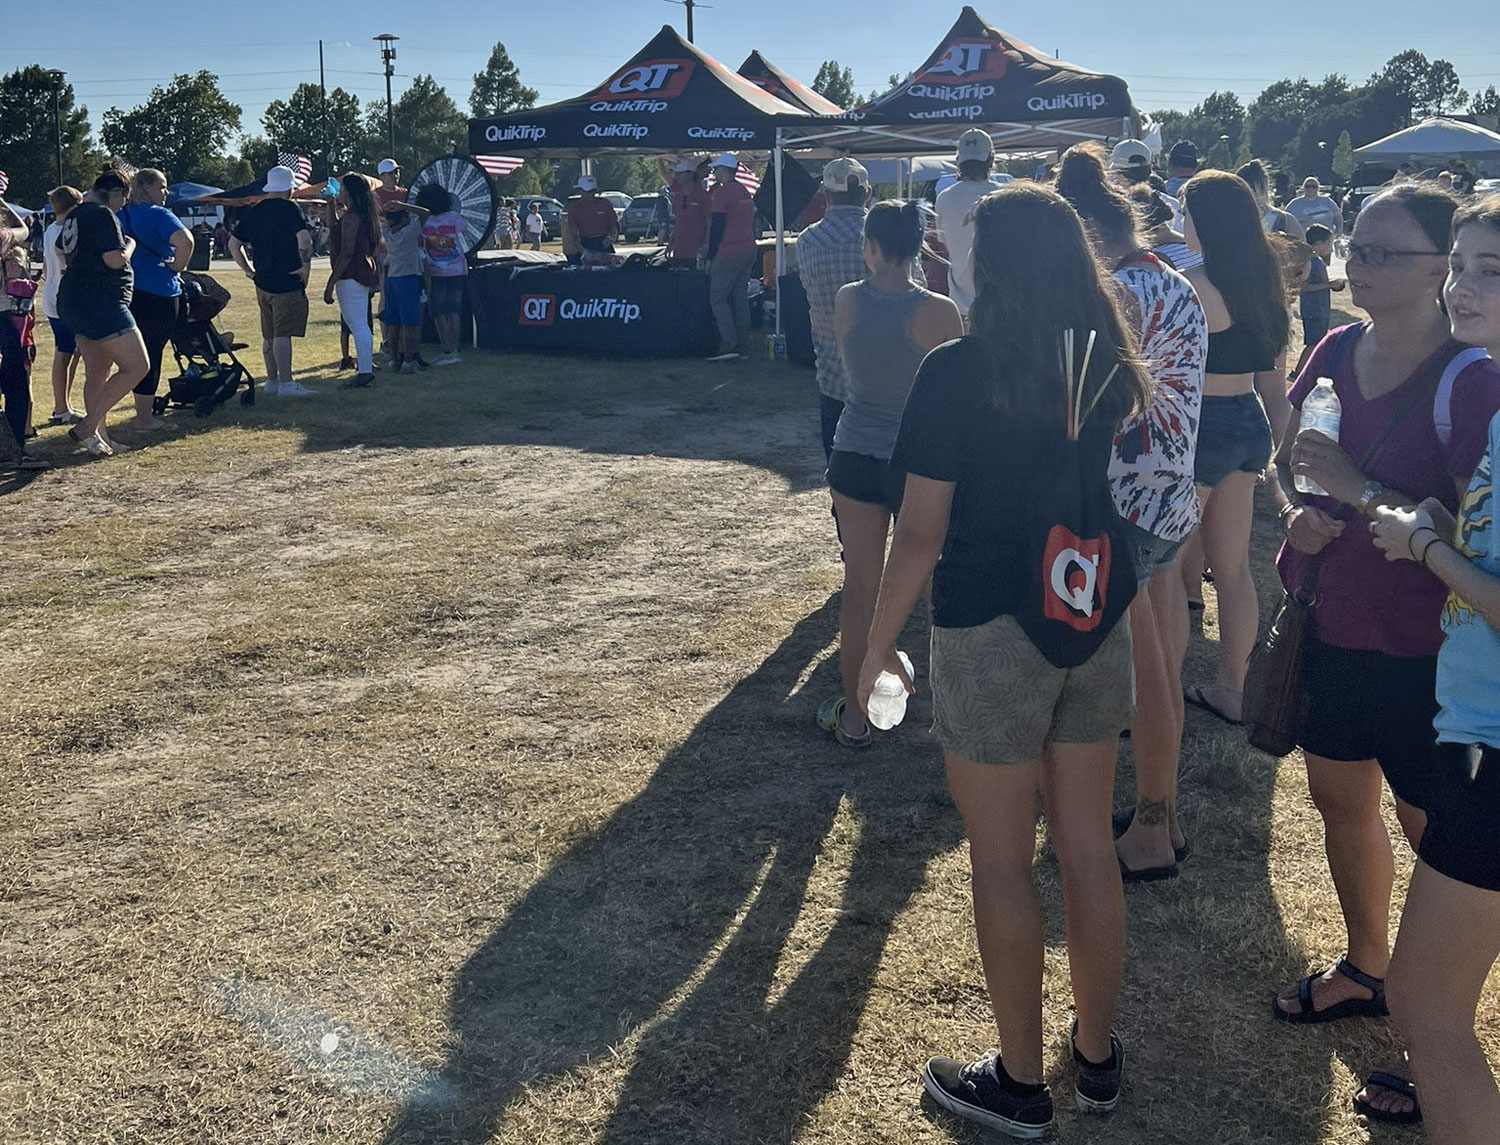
(1436,540)
(1289,507)
(1411,552)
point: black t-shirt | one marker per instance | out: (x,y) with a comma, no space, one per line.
(89,232)
(269,229)
(950,432)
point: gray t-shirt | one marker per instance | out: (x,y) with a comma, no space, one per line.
(403,249)
(881,360)
(1320,210)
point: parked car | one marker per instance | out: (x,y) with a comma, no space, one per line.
(648,216)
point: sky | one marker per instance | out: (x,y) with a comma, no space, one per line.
(262,50)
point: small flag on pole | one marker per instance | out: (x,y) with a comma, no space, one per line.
(300,165)
(499,165)
(747,179)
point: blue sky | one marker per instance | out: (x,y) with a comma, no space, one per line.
(1171,55)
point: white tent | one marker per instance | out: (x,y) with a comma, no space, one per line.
(1436,138)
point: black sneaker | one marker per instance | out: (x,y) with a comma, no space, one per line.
(1098,1086)
(422,364)
(978,1092)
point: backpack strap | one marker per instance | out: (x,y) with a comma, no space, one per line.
(1442,401)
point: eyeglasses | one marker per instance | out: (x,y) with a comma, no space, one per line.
(1377,256)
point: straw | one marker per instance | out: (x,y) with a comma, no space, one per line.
(1102,387)
(1068,371)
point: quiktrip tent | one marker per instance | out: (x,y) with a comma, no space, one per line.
(670,96)
(769,78)
(1437,138)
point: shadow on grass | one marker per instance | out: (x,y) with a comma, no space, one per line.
(669,924)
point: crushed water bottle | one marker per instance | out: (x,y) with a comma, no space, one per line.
(887,706)
(1322,411)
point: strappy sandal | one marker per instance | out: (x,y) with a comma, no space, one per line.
(1125,816)
(1401,1085)
(831,720)
(1349,1008)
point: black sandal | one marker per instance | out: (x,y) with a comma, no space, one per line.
(1349,1008)
(1395,1084)
(1123,818)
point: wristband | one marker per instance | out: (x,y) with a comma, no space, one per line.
(1411,552)
(1436,540)
(1285,513)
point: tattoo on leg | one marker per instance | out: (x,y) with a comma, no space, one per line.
(1151,812)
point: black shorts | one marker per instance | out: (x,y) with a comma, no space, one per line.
(1368,705)
(1462,839)
(861,477)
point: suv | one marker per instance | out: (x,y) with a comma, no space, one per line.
(648,216)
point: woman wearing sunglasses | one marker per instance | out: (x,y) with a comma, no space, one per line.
(1371,666)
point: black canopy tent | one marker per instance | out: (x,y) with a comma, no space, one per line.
(769,78)
(670,96)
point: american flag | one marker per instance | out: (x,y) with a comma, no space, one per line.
(499,165)
(301,166)
(4,182)
(747,179)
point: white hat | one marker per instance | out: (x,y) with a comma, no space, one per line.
(684,165)
(386,167)
(1129,153)
(975,145)
(838,173)
(726,160)
(587,183)
(279,179)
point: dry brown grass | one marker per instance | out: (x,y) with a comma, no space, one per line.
(470,719)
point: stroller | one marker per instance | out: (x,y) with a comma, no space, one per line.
(209,373)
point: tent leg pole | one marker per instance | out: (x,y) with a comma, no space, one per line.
(780,229)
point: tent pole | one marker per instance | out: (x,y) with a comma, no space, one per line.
(780,230)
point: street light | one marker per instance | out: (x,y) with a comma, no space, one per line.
(57,77)
(388,58)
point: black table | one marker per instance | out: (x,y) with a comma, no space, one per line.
(629,312)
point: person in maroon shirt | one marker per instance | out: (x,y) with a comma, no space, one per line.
(730,258)
(1371,666)
(593,222)
(690,211)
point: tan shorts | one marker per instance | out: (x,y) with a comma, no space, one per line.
(997,700)
(282,315)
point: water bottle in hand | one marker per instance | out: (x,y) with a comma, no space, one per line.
(1322,411)
(887,706)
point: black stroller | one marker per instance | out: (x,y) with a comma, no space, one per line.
(209,373)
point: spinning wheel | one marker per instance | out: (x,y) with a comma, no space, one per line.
(473,196)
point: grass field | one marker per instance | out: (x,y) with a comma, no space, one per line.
(435,763)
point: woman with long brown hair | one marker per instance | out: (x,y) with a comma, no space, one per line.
(352,275)
(1006,441)
(1243,297)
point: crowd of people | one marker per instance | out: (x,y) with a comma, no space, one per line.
(1066,445)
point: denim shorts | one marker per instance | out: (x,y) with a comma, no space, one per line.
(445,294)
(403,300)
(66,343)
(96,320)
(1149,553)
(1234,436)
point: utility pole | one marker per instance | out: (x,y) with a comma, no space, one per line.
(690,5)
(56,77)
(388,58)
(323,109)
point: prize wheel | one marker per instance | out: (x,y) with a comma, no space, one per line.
(473,196)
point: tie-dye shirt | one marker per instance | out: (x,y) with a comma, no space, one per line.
(1151,472)
(1468,673)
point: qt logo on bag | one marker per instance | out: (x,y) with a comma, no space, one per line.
(1077,573)
(538,309)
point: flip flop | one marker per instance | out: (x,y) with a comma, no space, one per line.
(1194,697)
(1146,874)
(1395,1084)
(1122,820)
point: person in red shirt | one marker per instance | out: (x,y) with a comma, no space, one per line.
(594,223)
(690,211)
(730,258)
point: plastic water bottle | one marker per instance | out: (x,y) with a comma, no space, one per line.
(887,706)
(1322,411)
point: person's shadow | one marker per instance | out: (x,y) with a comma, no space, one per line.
(704,874)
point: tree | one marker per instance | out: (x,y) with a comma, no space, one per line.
(1486,102)
(1406,76)
(1441,91)
(890,82)
(498,88)
(1225,112)
(428,125)
(1218,156)
(181,128)
(298,124)
(28,138)
(835,84)
(1343,157)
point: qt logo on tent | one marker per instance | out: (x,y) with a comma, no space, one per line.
(1077,572)
(966,60)
(538,309)
(662,78)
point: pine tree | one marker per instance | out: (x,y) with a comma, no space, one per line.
(498,88)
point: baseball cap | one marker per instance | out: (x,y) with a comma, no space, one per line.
(726,160)
(386,166)
(838,174)
(1184,153)
(1129,153)
(587,183)
(684,165)
(279,179)
(975,144)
